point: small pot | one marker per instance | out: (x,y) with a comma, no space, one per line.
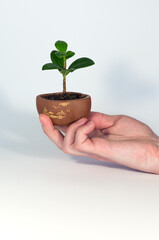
(64,112)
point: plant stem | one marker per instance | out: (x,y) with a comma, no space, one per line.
(64,63)
(64,84)
(64,78)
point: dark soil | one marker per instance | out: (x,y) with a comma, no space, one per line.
(66,96)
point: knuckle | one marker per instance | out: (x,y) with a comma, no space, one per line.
(66,149)
(77,146)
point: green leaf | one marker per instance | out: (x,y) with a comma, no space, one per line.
(61,46)
(58,61)
(49,66)
(66,71)
(81,63)
(60,55)
(69,54)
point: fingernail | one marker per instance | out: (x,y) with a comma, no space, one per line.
(82,120)
(40,118)
(90,123)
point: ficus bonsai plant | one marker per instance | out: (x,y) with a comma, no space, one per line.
(64,107)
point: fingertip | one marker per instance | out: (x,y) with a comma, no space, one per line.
(89,126)
(82,120)
(42,116)
(44,119)
(78,122)
(90,123)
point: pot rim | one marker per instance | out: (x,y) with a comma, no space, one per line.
(46,94)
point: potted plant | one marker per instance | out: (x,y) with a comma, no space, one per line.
(64,107)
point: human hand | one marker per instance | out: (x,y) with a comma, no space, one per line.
(119,139)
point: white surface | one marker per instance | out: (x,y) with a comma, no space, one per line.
(62,197)
(45,194)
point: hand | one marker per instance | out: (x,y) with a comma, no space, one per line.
(119,139)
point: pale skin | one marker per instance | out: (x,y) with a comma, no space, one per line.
(112,138)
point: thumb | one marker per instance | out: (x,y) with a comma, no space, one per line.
(102,120)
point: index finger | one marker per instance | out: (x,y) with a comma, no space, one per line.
(53,134)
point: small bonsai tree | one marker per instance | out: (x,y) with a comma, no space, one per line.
(59,59)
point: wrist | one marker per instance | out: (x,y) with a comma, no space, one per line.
(158,148)
(156,157)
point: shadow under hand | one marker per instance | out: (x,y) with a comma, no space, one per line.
(90,161)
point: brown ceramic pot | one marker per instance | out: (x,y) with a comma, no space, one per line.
(64,112)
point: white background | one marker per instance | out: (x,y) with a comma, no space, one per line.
(45,194)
